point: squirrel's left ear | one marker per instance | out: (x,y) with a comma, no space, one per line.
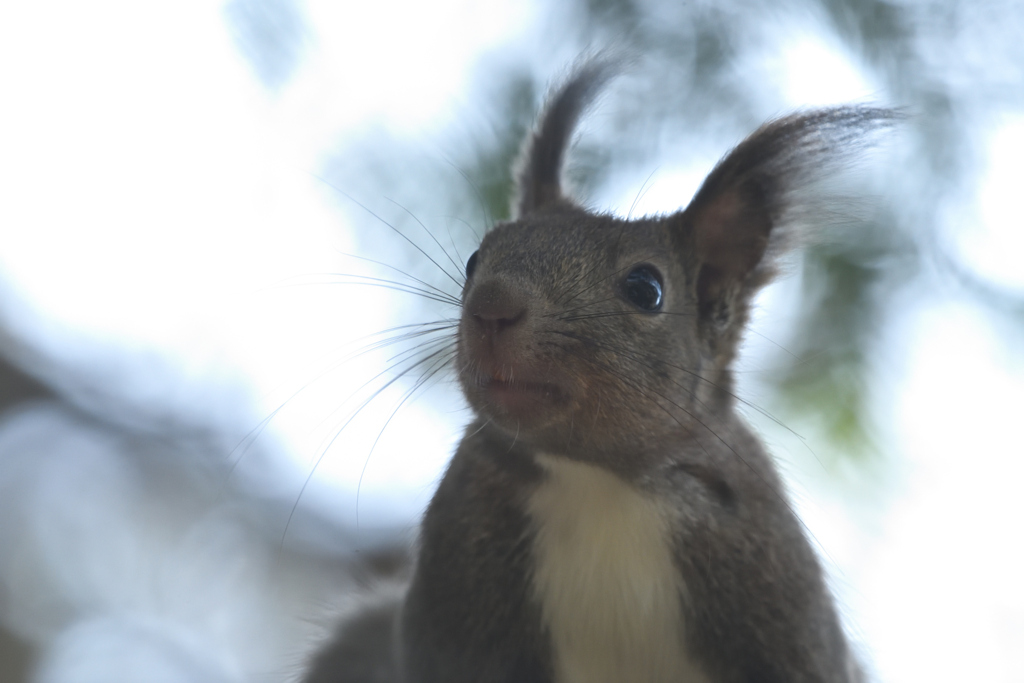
(539,170)
(742,216)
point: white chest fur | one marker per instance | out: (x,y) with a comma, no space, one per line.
(605,578)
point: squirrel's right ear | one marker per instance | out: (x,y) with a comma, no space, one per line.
(539,170)
(743,215)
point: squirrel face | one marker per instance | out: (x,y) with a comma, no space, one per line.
(579,332)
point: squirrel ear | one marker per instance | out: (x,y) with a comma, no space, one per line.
(730,233)
(539,170)
(748,208)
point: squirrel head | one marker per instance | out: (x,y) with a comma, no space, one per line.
(585,333)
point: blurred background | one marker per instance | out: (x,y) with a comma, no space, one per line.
(215,217)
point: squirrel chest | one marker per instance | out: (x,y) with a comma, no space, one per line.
(605,578)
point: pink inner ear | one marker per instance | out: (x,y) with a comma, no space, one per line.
(730,237)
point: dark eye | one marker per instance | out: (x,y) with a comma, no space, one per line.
(643,288)
(471,265)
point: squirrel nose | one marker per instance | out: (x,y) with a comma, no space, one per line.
(495,306)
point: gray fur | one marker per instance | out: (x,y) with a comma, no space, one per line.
(645,395)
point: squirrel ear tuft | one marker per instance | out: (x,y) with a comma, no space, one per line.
(742,217)
(539,170)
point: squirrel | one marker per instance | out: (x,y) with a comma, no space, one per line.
(608,517)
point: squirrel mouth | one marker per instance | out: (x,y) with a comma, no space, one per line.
(517,396)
